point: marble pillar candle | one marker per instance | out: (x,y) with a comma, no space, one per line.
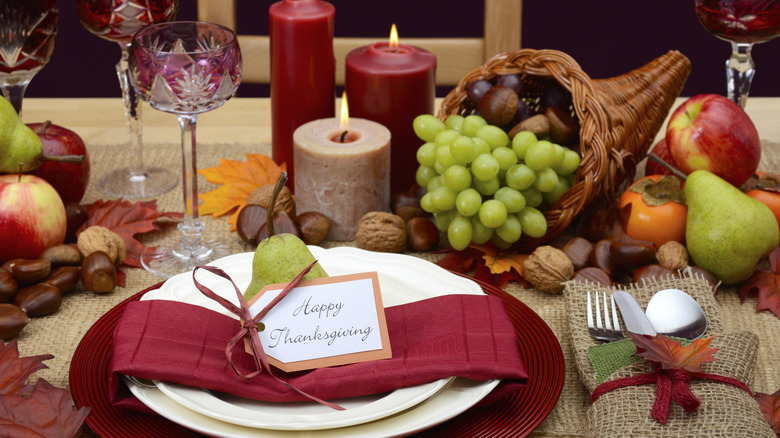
(342,171)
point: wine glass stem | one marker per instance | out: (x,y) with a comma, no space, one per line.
(14,93)
(739,72)
(133,111)
(191,227)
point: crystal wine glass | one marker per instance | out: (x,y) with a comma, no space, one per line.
(185,68)
(743,23)
(117,21)
(27,33)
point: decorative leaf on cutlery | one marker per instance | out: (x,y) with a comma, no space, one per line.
(669,353)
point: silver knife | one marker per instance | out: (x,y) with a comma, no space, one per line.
(634,317)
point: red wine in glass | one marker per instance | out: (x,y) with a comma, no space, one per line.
(117,21)
(27,33)
(742,23)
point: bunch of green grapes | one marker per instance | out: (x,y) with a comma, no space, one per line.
(482,186)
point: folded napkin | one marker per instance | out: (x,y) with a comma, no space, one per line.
(467,336)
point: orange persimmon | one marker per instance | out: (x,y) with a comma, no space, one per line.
(769,198)
(657,209)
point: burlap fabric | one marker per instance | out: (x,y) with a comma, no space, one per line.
(59,334)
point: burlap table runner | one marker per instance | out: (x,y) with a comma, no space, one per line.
(59,334)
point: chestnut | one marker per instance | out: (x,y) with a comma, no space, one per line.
(498,105)
(12,320)
(39,300)
(422,234)
(592,274)
(314,227)
(98,273)
(31,271)
(650,272)
(578,250)
(9,286)
(63,278)
(563,127)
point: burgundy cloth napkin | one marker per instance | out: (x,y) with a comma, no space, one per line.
(467,336)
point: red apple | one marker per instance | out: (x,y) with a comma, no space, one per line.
(661,150)
(69,179)
(32,216)
(713,133)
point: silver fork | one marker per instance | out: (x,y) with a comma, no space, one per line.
(610,330)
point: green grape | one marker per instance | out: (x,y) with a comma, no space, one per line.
(511,229)
(444,218)
(482,146)
(454,121)
(425,204)
(546,180)
(521,141)
(459,232)
(438,168)
(463,149)
(426,126)
(559,153)
(570,163)
(560,189)
(493,135)
(426,154)
(512,199)
(471,124)
(500,243)
(505,156)
(446,137)
(485,167)
(424,175)
(468,202)
(435,182)
(540,155)
(479,232)
(487,188)
(457,178)
(443,198)
(444,157)
(520,177)
(533,222)
(533,197)
(492,213)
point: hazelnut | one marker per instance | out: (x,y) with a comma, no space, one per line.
(498,105)
(12,320)
(97,238)
(547,268)
(262,196)
(314,227)
(381,231)
(672,255)
(98,273)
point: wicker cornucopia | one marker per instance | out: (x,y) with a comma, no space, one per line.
(618,117)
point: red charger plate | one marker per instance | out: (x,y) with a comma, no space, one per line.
(514,416)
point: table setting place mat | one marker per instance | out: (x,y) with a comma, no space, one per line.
(725,410)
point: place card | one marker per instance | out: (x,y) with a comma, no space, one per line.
(323,322)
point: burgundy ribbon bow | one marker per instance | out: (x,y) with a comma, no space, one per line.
(672,384)
(249,326)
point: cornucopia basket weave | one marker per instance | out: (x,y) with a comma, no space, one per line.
(618,117)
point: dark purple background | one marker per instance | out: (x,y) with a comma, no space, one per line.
(607,38)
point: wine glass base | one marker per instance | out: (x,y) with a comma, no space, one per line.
(171,259)
(122,184)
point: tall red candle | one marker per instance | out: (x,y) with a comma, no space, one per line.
(391,84)
(303,71)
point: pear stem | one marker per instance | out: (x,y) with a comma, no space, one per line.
(667,166)
(269,223)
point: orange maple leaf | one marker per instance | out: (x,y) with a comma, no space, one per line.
(767,282)
(770,407)
(238,179)
(499,262)
(671,354)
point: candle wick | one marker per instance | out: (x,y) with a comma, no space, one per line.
(343,135)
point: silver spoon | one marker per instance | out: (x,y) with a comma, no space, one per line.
(675,313)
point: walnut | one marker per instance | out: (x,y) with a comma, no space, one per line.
(97,238)
(672,255)
(262,196)
(547,268)
(380,231)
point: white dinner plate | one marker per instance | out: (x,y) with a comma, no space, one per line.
(403,279)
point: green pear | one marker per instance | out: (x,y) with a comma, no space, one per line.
(727,232)
(280,257)
(19,145)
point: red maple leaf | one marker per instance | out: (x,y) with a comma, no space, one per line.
(671,354)
(767,283)
(770,407)
(47,412)
(14,371)
(488,263)
(127,220)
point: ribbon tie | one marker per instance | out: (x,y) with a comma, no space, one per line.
(249,326)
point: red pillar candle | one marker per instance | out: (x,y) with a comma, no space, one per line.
(303,71)
(391,84)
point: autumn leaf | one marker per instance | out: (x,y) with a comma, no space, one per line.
(47,412)
(238,179)
(14,371)
(770,407)
(671,354)
(490,265)
(767,283)
(127,220)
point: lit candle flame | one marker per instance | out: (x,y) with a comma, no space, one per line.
(393,37)
(344,118)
